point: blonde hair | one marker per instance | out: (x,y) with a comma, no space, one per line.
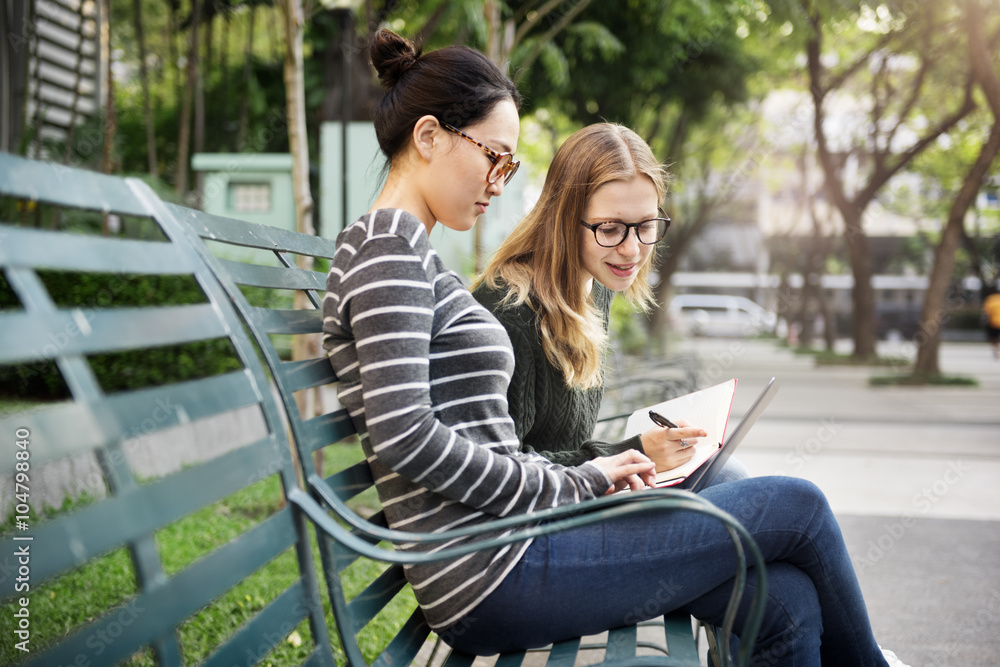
(539,262)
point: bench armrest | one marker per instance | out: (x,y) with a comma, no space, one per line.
(543,523)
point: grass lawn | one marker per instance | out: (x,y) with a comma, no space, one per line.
(75,598)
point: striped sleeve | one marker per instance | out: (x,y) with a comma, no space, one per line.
(388,304)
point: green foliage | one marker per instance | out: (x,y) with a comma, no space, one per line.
(41,380)
(917,379)
(626,329)
(828,358)
(623,58)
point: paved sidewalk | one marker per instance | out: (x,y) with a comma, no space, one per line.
(912,473)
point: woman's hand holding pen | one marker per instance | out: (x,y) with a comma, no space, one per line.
(628,470)
(671,444)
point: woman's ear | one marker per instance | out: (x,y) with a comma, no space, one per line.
(426,132)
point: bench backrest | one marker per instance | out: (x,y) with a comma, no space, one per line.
(355,611)
(157,561)
(307,386)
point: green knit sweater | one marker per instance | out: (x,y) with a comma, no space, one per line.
(550,418)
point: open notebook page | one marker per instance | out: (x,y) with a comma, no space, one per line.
(707,408)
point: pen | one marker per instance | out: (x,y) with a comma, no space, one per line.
(662,421)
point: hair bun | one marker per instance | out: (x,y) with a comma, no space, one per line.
(392,56)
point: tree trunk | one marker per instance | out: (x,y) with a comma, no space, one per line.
(862,294)
(935,299)
(224,73)
(172,56)
(183,141)
(303,347)
(202,72)
(241,133)
(292,15)
(147,108)
(110,122)
(886,165)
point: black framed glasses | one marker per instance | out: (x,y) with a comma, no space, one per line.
(504,164)
(613,233)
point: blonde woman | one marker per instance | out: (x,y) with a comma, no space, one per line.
(591,235)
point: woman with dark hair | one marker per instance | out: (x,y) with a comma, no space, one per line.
(591,234)
(423,372)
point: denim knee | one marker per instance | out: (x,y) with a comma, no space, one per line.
(763,503)
(732,471)
(793,619)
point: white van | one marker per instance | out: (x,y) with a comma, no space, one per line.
(719,315)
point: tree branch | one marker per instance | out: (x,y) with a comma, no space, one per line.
(880,176)
(528,24)
(547,37)
(915,88)
(838,79)
(982,66)
(431,24)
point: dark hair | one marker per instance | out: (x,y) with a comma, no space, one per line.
(456,84)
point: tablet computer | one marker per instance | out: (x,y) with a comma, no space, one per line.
(707,471)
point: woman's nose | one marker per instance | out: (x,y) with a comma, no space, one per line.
(630,246)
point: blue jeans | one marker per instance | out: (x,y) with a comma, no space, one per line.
(732,471)
(587,580)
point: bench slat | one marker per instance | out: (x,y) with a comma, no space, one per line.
(368,603)
(280,321)
(29,336)
(406,644)
(510,659)
(59,430)
(44,249)
(351,481)
(65,429)
(168,606)
(182,402)
(564,653)
(621,643)
(678,633)
(457,659)
(274,277)
(325,429)
(78,188)
(264,631)
(307,374)
(253,235)
(71,540)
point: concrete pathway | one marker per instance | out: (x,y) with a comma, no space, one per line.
(913,475)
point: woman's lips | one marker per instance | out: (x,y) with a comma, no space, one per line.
(481,206)
(621,270)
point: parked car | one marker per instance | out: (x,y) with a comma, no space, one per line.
(719,315)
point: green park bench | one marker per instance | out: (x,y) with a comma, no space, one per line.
(183,566)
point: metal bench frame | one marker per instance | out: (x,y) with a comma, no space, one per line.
(343,535)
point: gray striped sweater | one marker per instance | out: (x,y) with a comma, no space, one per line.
(423,371)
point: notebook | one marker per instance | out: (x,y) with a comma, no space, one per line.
(708,408)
